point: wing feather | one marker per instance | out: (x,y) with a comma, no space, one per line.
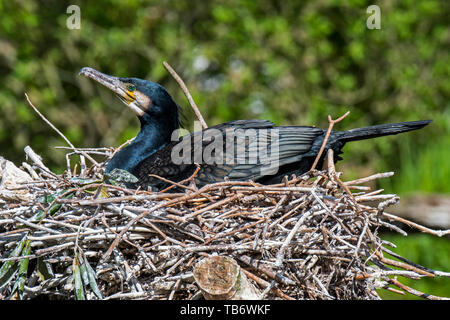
(285,145)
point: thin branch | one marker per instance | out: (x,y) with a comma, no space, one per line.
(61,134)
(187,93)
(416,292)
(327,135)
(439,233)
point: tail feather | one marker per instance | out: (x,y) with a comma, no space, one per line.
(382,130)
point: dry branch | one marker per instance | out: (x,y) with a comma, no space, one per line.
(83,154)
(327,135)
(187,93)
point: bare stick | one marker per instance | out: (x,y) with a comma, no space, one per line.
(369,178)
(174,184)
(185,180)
(60,133)
(265,284)
(332,173)
(121,146)
(438,233)
(281,252)
(330,127)
(416,292)
(186,92)
(37,159)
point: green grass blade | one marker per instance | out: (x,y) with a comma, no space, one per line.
(23,269)
(9,268)
(8,274)
(79,289)
(88,276)
(92,280)
(48,199)
(44,270)
(84,273)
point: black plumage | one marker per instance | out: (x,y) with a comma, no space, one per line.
(249,150)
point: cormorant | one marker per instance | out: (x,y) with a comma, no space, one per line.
(239,150)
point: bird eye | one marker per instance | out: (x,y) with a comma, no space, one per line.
(131,88)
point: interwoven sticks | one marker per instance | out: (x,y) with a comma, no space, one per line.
(306,238)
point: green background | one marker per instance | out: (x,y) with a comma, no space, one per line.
(291,62)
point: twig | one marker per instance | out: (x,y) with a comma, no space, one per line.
(439,233)
(369,178)
(185,180)
(37,159)
(266,284)
(173,184)
(327,135)
(186,92)
(416,292)
(281,252)
(62,135)
(303,238)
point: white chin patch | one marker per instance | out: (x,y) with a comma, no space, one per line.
(133,106)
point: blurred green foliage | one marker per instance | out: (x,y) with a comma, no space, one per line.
(291,62)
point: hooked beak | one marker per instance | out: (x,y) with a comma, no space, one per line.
(116,85)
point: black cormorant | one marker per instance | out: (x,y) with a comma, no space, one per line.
(239,150)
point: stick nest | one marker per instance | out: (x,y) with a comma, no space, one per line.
(311,237)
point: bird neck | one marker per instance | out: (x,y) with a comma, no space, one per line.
(154,135)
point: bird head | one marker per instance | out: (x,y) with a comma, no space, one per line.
(149,100)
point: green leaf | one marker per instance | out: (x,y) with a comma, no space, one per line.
(104,193)
(23,268)
(84,181)
(88,276)
(37,217)
(84,273)
(48,199)
(44,269)
(79,289)
(8,274)
(9,268)
(92,280)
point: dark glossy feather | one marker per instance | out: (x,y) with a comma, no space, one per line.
(297,148)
